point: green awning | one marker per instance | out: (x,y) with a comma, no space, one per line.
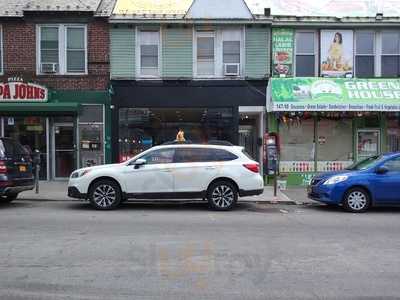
(42,108)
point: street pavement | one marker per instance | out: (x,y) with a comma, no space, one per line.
(66,250)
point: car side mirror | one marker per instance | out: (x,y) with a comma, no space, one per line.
(139,162)
(382,170)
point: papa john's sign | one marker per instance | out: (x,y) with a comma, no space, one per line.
(15,90)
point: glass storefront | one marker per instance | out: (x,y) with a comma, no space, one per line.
(142,128)
(91,134)
(56,139)
(30,132)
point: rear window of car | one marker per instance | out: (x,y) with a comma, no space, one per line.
(11,148)
(2,150)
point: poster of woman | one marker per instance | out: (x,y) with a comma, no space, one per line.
(336,53)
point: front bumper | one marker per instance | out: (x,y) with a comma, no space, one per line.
(330,194)
(73,192)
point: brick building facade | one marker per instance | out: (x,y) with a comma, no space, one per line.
(66,52)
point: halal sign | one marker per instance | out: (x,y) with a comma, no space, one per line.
(15,90)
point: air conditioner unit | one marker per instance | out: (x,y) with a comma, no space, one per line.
(231,69)
(49,68)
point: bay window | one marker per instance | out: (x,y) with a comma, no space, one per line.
(62,49)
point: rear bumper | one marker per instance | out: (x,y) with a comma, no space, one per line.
(73,192)
(244,193)
(16,186)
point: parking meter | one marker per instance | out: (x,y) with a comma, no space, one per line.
(271,150)
(36,165)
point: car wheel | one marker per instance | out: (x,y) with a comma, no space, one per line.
(222,195)
(356,200)
(9,198)
(105,195)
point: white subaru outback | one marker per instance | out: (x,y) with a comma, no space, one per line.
(179,171)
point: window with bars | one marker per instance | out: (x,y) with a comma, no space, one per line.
(365,54)
(62,49)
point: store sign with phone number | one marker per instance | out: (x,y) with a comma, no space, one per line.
(16,90)
(334,94)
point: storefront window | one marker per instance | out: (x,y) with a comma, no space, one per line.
(393,132)
(142,128)
(367,143)
(297,145)
(334,144)
(30,132)
(91,135)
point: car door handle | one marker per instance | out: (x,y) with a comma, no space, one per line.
(166,170)
(210,168)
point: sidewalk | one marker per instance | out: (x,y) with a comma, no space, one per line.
(57,191)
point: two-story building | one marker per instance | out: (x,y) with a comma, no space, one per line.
(55,74)
(334,97)
(201,66)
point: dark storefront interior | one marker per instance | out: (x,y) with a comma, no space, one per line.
(142,128)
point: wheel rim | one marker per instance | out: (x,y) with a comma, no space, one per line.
(222,196)
(104,195)
(357,200)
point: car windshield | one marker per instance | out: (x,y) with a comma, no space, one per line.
(365,163)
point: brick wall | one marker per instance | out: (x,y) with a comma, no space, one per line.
(19,46)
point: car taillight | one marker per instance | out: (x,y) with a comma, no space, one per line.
(252,167)
(3,167)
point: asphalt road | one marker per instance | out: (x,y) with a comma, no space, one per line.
(66,250)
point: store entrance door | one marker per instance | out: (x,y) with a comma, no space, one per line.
(64,153)
(248,139)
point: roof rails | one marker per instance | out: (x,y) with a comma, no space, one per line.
(211,142)
(219,143)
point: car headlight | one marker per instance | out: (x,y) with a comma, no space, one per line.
(336,179)
(77,174)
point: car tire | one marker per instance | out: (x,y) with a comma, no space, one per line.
(105,195)
(222,195)
(356,200)
(9,198)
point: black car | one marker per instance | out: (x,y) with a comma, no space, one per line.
(15,170)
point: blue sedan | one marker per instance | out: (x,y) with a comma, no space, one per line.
(373,181)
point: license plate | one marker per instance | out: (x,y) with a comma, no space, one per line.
(22,168)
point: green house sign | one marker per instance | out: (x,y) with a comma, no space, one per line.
(334,94)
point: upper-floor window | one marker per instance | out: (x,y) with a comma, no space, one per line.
(205,54)
(149,43)
(62,49)
(364,53)
(305,53)
(219,53)
(390,56)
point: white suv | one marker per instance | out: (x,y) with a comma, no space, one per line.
(179,171)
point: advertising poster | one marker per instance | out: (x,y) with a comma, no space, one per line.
(336,53)
(282,51)
(335,94)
